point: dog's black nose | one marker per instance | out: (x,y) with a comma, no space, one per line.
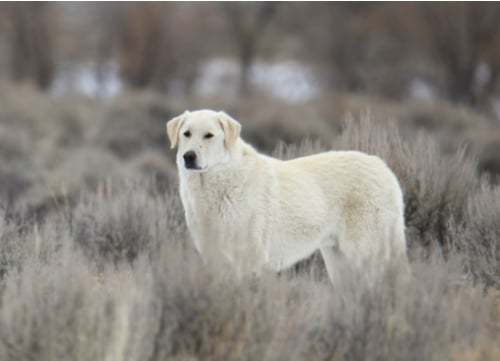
(190,159)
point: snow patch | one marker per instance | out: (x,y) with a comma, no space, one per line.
(289,80)
(420,89)
(91,79)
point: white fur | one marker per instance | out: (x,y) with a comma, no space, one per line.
(261,212)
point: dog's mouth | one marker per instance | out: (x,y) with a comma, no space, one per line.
(194,167)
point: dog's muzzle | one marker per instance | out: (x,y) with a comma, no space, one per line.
(190,160)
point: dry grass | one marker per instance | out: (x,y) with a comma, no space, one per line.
(96,264)
(60,303)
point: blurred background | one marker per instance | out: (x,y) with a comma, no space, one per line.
(93,244)
(293,52)
(85,88)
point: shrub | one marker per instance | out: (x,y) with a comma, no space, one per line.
(135,124)
(110,272)
(57,312)
(17,170)
(174,307)
(478,236)
(12,252)
(119,225)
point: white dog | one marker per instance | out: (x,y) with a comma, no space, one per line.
(261,212)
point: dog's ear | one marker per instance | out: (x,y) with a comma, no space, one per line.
(173,127)
(231,129)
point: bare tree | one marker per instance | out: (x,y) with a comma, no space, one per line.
(462,36)
(248,22)
(163,42)
(107,19)
(31,42)
(144,58)
(357,47)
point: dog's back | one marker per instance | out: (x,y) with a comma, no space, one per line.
(361,194)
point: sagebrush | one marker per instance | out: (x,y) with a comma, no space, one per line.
(106,270)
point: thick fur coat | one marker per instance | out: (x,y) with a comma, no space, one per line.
(260,212)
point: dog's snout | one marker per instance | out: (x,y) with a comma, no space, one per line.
(190,156)
(190,159)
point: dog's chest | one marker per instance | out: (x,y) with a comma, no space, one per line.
(214,208)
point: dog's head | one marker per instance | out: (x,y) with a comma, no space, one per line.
(204,138)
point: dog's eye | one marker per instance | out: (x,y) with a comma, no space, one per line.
(208,136)
(187,133)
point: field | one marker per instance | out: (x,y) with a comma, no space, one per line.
(96,263)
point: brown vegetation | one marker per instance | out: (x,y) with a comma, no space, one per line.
(369,48)
(31,42)
(460,43)
(96,263)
